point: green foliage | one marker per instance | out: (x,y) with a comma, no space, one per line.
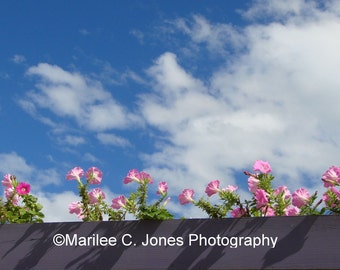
(228,200)
(137,205)
(27,210)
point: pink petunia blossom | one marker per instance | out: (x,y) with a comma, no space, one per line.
(213,187)
(76,208)
(119,202)
(10,194)
(300,197)
(230,188)
(261,198)
(133,175)
(145,178)
(262,166)
(253,184)
(331,197)
(336,192)
(23,188)
(282,191)
(7,181)
(95,195)
(238,212)
(268,211)
(76,173)
(162,188)
(291,211)
(331,177)
(186,196)
(326,198)
(94,175)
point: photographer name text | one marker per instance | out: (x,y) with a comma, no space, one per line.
(191,239)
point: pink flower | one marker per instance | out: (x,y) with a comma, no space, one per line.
(76,208)
(133,175)
(300,197)
(186,196)
(75,173)
(292,211)
(268,211)
(23,188)
(162,188)
(282,191)
(118,202)
(213,187)
(139,177)
(7,181)
(238,212)
(336,192)
(11,194)
(261,198)
(96,195)
(326,198)
(94,175)
(253,184)
(331,197)
(145,177)
(262,166)
(230,188)
(331,177)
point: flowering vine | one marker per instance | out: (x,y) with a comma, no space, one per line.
(22,207)
(92,205)
(267,200)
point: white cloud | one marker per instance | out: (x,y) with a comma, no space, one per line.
(217,37)
(112,139)
(62,200)
(275,101)
(29,107)
(139,35)
(91,158)
(73,140)
(18,59)
(72,95)
(16,165)
(84,32)
(299,10)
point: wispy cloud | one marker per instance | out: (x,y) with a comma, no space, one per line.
(74,96)
(62,200)
(112,139)
(73,140)
(288,10)
(15,164)
(84,32)
(218,38)
(18,59)
(139,35)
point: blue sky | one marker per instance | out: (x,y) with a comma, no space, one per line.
(188,91)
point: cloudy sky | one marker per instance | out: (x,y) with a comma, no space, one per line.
(188,92)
